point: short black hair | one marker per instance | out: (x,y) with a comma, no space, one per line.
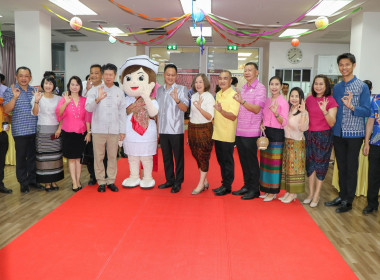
(369,84)
(48,78)
(252,63)
(2,78)
(109,66)
(23,68)
(170,66)
(88,76)
(235,81)
(327,84)
(276,78)
(96,66)
(349,56)
(49,74)
(79,81)
(285,84)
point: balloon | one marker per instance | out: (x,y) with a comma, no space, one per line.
(199,41)
(321,21)
(198,16)
(112,39)
(295,42)
(75,23)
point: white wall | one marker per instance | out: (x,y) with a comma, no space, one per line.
(94,52)
(278,54)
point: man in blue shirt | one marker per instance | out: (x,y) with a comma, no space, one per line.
(372,150)
(353,98)
(17,99)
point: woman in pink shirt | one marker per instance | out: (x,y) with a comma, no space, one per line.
(275,118)
(322,109)
(75,127)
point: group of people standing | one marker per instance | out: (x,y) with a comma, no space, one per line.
(301,132)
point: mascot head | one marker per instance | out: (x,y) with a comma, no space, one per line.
(138,75)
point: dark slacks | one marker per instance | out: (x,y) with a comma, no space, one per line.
(373,176)
(247,150)
(173,144)
(347,157)
(3,152)
(225,156)
(26,159)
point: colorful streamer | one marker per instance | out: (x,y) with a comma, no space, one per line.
(141,15)
(1,38)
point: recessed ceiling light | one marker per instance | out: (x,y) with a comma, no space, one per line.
(112,30)
(196,32)
(244,54)
(187,6)
(74,7)
(242,58)
(328,7)
(293,32)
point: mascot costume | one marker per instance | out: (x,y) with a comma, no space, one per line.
(138,77)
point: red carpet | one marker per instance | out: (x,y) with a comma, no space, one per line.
(153,234)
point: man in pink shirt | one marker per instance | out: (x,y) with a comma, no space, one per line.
(252,99)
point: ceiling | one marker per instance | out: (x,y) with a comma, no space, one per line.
(265,12)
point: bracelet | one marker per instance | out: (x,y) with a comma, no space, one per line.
(243,102)
(325,114)
(179,101)
(36,102)
(352,107)
(277,116)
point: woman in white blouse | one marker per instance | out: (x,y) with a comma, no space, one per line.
(200,128)
(48,144)
(293,153)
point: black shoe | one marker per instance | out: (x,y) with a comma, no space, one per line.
(102,188)
(3,189)
(112,187)
(223,191)
(75,190)
(37,186)
(218,189)
(344,206)
(48,189)
(176,188)
(336,202)
(24,189)
(242,191)
(54,188)
(92,181)
(369,209)
(165,185)
(250,195)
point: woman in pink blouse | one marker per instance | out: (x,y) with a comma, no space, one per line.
(75,127)
(275,118)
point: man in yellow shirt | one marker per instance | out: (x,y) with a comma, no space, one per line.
(225,121)
(3,146)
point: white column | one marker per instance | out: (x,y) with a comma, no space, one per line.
(365,41)
(33,43)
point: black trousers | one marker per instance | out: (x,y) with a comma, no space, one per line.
(373,176)
(26,159)
(247,149)
(90,167)
(347,157)
(3,152)
(225,156)
(173,144)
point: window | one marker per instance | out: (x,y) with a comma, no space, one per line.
(296,78)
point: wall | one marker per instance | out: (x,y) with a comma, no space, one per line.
(278,54)
(94,52)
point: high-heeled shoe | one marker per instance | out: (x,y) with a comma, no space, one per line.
(206,186)
(269,198)
(285,196)
(307,200)
(290,198)
(263,195)
(198,192)
(314,204)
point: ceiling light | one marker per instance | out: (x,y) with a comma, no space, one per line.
(196,32)
(242,58)
(328,7)
(112,30)
(74,7)
(244,54)
(204,5)
(1,16)
(293,32)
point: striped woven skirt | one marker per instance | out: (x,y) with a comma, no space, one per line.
(200,142)
(293,166)
(48,155)
(271,161)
